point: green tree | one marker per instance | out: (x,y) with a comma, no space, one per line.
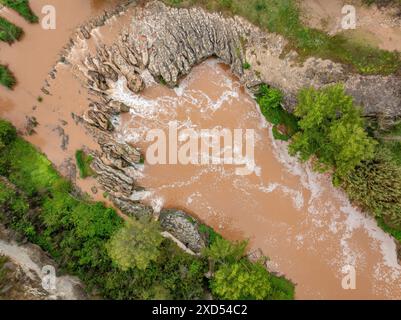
(224,251)
(136,244)
(332,129)
(242,280)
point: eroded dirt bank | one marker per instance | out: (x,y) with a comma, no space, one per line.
(377,26)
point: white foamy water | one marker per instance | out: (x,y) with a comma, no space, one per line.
(307,227)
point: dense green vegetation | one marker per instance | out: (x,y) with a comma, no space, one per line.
(391,140)
(22,7)
(6,77)
(270,103)
(116,260)
(235,277)
(75,232)
(332,129)
(246,65)
(376,186)
(9,32)
(284,17)
(83,163)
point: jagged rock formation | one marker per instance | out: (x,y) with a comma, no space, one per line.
(168,45)
(183,227)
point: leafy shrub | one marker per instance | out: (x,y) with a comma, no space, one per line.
(223,251)
(237,278)
(136,244)
(332,129)
(246,65)
(209,233)
(242,280)
(7,133)
(269,101)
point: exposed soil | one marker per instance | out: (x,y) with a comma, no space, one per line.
(376,26)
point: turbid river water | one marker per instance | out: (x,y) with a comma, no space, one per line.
(31,59)
(306,227)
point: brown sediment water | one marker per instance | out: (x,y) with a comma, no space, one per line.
(304,225)
(30,60)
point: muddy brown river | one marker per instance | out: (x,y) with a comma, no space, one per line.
(305,226)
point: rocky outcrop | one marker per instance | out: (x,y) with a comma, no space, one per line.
(168,43)
(22,272)
(184,228)
(377,95)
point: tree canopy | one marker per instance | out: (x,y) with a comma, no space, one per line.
(332,129)
(136,244)
(242,280)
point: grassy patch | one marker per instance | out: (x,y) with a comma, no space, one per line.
(6,77)
(284,17)
(269,101)
(9,32)
(83,163)
(23,8)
